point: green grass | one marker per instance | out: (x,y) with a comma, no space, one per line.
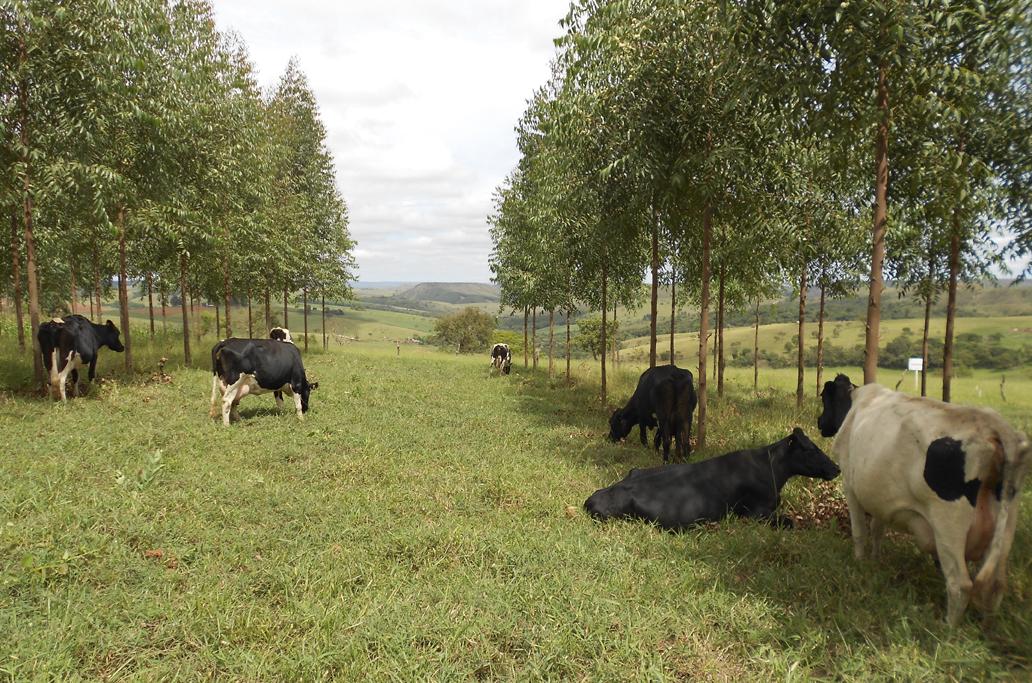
(415,526)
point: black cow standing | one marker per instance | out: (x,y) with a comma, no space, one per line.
(66,344)
(746,483)
(501,358)
(665,397)
(256,366)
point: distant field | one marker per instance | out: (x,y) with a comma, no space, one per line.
(424,523)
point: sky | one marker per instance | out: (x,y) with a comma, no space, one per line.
(420,99)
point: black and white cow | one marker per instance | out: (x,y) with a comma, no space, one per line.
(950,475)
(745,483)
(256,366)
(66,344)
(665,397)
(282,334)
(501,358)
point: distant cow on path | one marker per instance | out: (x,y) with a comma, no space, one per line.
(745,483)
(67,344)
(950,475)
(665,397)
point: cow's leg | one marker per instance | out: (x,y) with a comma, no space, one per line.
(858,523)
(278,395)
(950,548)
(877,530)
(297,405)
(216,393)
(70,365)
(229,399)
(643,434)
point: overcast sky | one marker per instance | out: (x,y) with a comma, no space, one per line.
(419,98)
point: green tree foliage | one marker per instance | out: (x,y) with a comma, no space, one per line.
(468,331)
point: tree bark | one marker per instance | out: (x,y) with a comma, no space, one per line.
(820,333)
(756,350)
(655,287)
(268,311)
(612,342)
(673,313)
(715,340)
(73,304)
(707,236)
(720,334)
(324,344)
(800,371)
(605,284)
(304,304)
(218,322)
(16,278)
(551,339)
(123,290)
(184,304)
(924,343)
(526,344)
(227,294)
(285,324)
(30,238)
(878,228)
(568,348)
(533,336)
(163,296)
(951,310)
(96,284)
(250,317)
(150,301)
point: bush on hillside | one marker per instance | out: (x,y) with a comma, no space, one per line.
(468,331)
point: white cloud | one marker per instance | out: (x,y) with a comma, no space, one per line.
(419,98)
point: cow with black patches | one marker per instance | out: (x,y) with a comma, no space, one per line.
(280,334)
(948,474)
(69,343)
(744,483)
(501,358)
(256,366)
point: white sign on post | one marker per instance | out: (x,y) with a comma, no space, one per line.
(915,364)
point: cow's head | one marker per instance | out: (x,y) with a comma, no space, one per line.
(281,333)
(620,424)
(306,390)
(109,337)
(806,459)
(837,398)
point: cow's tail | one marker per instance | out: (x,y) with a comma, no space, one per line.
(1008,469)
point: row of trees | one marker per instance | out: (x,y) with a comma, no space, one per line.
(730,148)
(136,146)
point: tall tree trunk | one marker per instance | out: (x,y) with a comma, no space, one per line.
(800,372)
(325,346)
(30,239)
(150,301)
(227,293)
(820,333)
(96,284)
(526,343)
(673,313)
(218,322)
(195,311)
(123,290)
(881,156)
(924,343)
(73,302)
(715,341)
(951,310)
(184,301)
(707,236)
(613,343)
(268,310)
(605,284)
(89,295)
(720,334)
(285,324)
(654,265)
(551,339)
(533,336)
(568,348)
(163,295)
(756,350)
(16,279)
(304,304)
(250,316)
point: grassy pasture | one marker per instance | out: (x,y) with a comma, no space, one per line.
(415,526)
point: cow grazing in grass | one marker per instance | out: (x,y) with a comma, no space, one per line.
(256,366)
(67,344)
(745,483)
(950,475)
(501,358)
(665,397)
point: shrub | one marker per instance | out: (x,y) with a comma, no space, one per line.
(467,331)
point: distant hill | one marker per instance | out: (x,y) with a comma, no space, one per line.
(460,293)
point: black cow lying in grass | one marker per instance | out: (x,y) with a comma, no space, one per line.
(665,397)
(746,483)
